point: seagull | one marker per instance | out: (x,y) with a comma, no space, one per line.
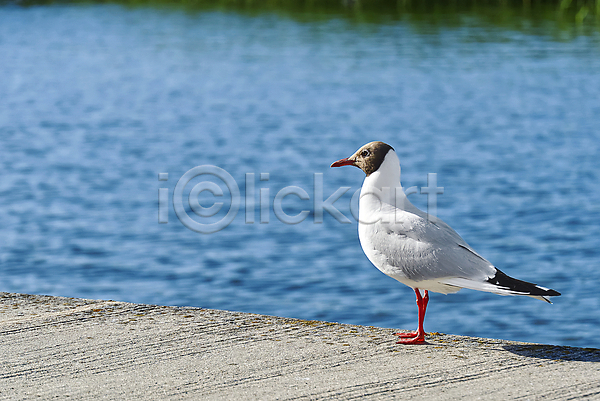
(416,249)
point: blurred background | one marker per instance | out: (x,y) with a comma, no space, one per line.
(500,98)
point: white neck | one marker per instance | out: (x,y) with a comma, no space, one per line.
(383,187)
(388,174)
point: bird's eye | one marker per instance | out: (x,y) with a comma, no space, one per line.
(365,153)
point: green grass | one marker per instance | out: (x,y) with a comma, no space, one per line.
(573,17)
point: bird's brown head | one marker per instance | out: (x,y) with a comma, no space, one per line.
(368,158)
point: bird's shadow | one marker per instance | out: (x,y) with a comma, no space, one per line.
(554,352)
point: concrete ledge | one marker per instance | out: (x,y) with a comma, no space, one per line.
(86,349)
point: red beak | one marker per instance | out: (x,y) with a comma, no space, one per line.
(343,162)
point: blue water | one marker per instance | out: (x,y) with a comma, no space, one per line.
(96,101)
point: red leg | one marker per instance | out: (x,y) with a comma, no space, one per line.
(412,334)
(417,337)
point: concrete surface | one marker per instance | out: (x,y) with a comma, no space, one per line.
(64,348)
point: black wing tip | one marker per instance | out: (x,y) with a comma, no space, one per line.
(520,286)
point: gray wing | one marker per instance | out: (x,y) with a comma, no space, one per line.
(425,250)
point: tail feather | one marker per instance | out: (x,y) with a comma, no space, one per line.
(521,287)
(505,285)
